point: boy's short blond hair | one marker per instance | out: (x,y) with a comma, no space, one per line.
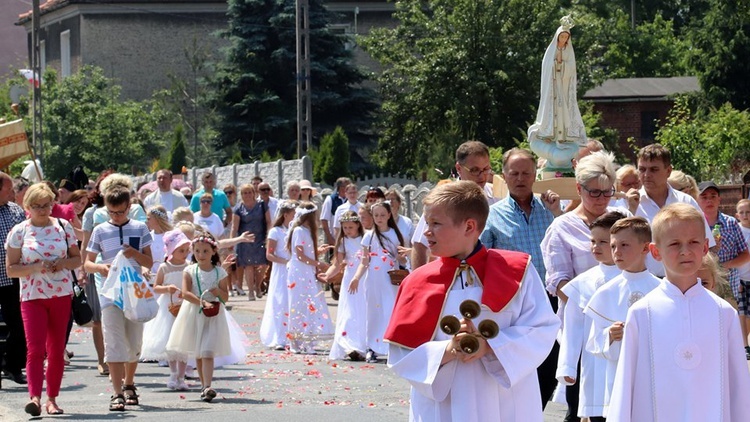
(683,212)
(461,200)
(742,202)
(638,225)
(182,214)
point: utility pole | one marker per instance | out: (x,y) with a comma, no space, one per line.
(36,99)
(304,128)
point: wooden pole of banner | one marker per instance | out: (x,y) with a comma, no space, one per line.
(33,160)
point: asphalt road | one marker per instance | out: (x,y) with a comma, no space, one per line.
(269,386)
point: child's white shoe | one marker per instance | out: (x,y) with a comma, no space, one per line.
(172,383)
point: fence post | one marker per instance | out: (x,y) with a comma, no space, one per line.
(280,178)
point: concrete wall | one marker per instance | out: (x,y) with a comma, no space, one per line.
(276,174)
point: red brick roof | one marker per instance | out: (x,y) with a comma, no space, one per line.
(52,5)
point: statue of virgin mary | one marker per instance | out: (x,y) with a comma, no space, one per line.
(558,131)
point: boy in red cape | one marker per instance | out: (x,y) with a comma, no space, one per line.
(499,381)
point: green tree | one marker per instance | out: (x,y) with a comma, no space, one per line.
(86,123)
(332,159)
(722,46)
(709,146)
(256,82)
(177,157)
(472,64)
(187,103)
(608,47)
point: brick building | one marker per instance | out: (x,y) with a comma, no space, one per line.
(635,106)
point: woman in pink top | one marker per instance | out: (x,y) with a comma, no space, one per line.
(42,251)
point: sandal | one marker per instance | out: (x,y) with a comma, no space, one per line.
(131,398)
(33,408)
(53,408)
(103,369)
(117,403)
(208,394)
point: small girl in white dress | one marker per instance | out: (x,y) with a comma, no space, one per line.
(194,334)
(350,336)
(157,221)
(382,250)
(309,320)
(273,329)
(168,285)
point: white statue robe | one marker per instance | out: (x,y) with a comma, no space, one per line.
(497,387)
(682,360)
(608,305)
(558,118)
(576,329)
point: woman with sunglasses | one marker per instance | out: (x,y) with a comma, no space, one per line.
(566,246)
(42,251)
(207,219)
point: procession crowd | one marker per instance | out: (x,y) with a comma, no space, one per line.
(629,302)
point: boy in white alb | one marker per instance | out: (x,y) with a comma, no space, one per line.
(743,300)
(608,307)
(681,357)
(498,382)
(577,326)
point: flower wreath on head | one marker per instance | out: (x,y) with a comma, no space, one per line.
(159,213)
(206,239)
(287,205)
(300,211)
(349,219)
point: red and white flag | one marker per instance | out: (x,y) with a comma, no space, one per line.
(29,75)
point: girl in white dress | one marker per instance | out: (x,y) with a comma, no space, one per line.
(158,222)
(349,338)
(194,334)
(238,338)
(309,320)
(168,285)
(273,328)
(382,250)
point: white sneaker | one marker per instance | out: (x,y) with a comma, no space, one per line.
(172,383)
(182,386)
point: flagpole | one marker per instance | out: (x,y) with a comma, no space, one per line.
(36,99)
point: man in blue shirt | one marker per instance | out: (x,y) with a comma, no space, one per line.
(220,206)
(518,223)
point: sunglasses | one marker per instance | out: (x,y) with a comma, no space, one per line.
(206,201)
(229,192)
(265,189)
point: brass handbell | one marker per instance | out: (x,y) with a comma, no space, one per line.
(469,309)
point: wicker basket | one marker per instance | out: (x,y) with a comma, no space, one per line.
(336,280)
(213,310)
(174,308)
(397,276)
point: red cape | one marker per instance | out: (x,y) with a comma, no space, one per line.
(422,295)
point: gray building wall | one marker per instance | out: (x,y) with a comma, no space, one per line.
(13,44)
(143,51)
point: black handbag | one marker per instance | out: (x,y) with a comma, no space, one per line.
(82,313)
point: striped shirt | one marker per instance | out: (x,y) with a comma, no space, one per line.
(107,240)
